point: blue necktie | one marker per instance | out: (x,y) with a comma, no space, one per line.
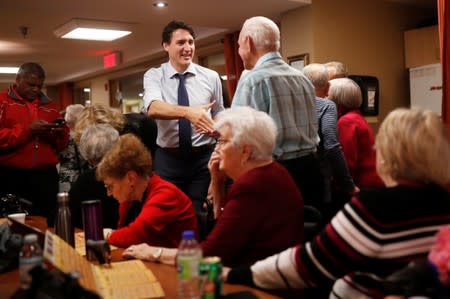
(184,126)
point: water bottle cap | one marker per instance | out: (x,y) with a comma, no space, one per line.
(188,234)
(29,238)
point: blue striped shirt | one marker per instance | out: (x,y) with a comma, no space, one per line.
(333,163)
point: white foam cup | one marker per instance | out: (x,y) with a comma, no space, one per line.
(20,217)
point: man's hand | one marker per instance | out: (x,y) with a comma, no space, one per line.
(42,128)
(200,118)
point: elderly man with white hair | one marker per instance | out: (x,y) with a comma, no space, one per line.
(288,97)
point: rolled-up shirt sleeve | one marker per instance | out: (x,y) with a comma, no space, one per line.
(152,87)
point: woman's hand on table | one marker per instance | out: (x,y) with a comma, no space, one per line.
(150,253)
(107,233)
(140,251)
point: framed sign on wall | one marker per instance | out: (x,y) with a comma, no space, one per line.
(298,61)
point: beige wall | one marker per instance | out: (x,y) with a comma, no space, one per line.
(98,93)
(297,32)
(367,35)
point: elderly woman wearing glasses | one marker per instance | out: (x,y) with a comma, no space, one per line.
(262,211)
(165,211)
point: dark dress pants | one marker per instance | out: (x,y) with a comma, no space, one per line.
(190,174)
(308,177)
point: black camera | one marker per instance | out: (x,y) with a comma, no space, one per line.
(11,203)
(59,121)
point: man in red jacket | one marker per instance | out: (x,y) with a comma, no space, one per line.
(29,141)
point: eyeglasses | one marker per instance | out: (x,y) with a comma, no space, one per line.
(220,142)
(109,187)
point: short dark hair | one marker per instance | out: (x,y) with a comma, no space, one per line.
(171,27)
(31,68)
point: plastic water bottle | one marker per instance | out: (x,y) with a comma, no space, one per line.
(188,261)
(30,256)
(63,224)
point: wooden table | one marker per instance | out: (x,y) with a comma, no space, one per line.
(166,274)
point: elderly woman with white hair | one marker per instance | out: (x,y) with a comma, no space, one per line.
(95,141)
(355,134)
(262,211)
(382,229)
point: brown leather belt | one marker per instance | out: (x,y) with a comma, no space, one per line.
(195,150)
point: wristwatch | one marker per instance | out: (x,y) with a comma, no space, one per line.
(156,254)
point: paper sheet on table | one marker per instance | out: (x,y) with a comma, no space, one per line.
(127,279)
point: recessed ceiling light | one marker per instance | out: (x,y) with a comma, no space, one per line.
(95,34)
(93,30)
(8,70)
(160,4)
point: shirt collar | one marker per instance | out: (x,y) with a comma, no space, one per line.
(172,72)
(266,57)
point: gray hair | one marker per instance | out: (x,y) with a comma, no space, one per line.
(72,112)
(316,73)
(264,33)
(336,69)
(345,93)
(96,140)
(250,127)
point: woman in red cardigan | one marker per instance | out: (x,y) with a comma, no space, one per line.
(355,134)
(165,210)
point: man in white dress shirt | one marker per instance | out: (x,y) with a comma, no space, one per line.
(182,162)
